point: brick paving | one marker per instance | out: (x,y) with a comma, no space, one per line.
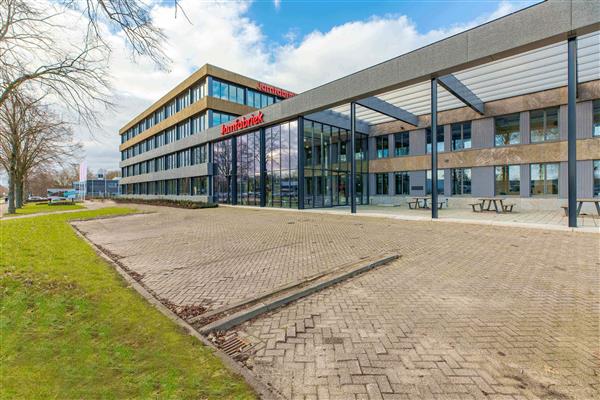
(468,312)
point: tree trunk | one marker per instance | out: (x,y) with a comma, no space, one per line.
(11,193)
(19,193)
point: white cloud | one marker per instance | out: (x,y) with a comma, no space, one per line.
(221,33)
(277,4)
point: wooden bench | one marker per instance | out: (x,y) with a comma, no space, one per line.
(475,205)
(441,204)
(566,208)
(507,207)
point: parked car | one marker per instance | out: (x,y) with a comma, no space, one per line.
(37,198)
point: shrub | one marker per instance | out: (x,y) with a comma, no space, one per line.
(167,202)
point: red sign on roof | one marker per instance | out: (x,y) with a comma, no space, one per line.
(263,87)
(242,123)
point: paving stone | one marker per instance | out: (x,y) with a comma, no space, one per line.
(467,312)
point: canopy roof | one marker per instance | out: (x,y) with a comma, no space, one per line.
(532,71)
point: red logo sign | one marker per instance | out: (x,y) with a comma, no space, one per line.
(242,123)
(263,87)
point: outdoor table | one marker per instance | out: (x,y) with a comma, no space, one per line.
(491,200)
(595,200)
(419,198)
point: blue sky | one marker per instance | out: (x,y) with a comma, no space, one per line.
(301,17)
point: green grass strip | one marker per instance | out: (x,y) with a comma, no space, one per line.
(71,329)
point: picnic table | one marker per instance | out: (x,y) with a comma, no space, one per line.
(417,202)
(595,200)
(493,200)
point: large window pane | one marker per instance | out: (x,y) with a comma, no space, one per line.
(461,136)
(461,181)
(402,183)
(508,180)
(401,144)
(544,125)
(544,179)
(381,183)
(440,181)
(439,138)
(507,130)
(382,145)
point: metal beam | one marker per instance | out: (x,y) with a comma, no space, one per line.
(434,193)
(461,92)
(352,158)
(385,108)
(301,158)
(572,130)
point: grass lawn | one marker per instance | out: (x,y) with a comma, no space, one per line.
(33,208)
(71,329)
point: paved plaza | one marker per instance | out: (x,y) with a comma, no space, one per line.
(467,312)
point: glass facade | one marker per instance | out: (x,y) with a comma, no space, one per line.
(401,144)
(402,183)
(381,183)
(327,166)
(248,169)
(440,181)
(508,180)
(439,138)
(383,147)
(507,130)
(544,179)
(461,181)
(281,167)
(227,91)
(544,125)
(461,136)
(281,147)
(223,171)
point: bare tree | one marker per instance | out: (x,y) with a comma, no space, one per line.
(32,137)
(132,17)
(34,52)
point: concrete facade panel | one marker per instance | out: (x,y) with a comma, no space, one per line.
(482,133)
(417,183)
(482,181)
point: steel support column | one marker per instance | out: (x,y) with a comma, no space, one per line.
(434,194)
(263,168)
(301,157)
(572,130)
(352,158)
(233,179)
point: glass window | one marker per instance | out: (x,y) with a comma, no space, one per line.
(439,138)
(440,181)
(381,183)
(507,130)
(596,178)
(461,181)
(461,136)
(508,180)
(596,118)
(402,183)
(544,125)
(199,186)
(401,144)
(544,179)
(382,145)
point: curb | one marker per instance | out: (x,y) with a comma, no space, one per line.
(259,387)
(261,308)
